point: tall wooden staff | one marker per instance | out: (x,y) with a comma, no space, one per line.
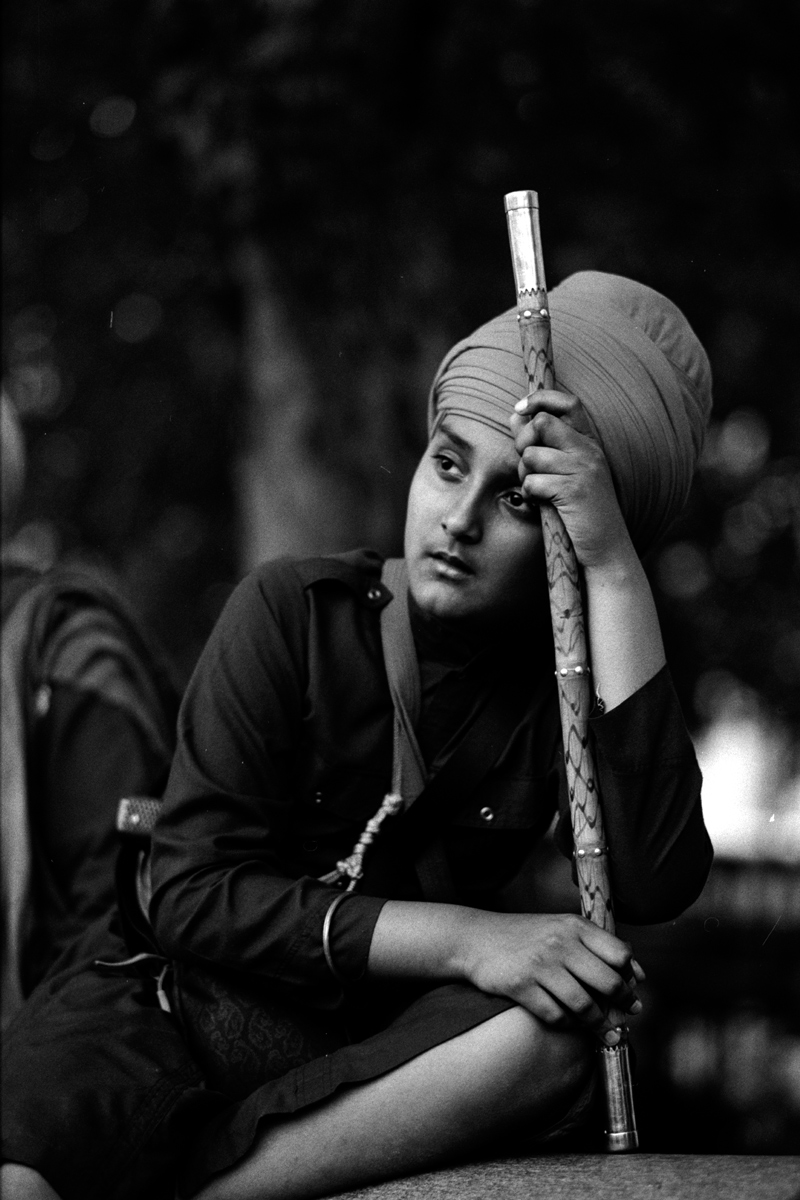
(571,656)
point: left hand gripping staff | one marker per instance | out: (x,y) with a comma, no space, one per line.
(571,655)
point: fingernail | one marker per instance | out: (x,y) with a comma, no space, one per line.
(636,1007)
(521,405)
(637,966)
(612,1037)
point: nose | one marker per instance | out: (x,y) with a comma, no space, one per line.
(462,522)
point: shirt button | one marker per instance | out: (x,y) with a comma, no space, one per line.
(374,594)
(486,813)
(310,846)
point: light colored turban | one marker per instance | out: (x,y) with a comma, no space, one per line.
(631,358)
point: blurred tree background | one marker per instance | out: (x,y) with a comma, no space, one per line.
(239,236)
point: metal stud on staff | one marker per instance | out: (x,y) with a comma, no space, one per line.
(571,656)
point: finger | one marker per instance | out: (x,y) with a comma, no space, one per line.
(547,430)
(546,400)
(611,1034)
(544,489)
(612,949)
(560,404)
(599,978)
(539,1002)
(546,460)
(573,997)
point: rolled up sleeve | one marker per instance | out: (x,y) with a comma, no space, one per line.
(660,852)
(222,891)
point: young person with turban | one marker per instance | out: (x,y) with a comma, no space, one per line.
(415,1018)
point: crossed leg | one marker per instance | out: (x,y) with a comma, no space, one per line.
(23,1183)
(509,1073)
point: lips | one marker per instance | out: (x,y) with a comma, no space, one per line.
(452,563)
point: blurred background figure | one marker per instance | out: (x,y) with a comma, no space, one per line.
(87,717)
(239,237)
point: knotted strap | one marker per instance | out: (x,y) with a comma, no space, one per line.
(418,831)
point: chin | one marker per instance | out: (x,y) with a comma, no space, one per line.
(446,602)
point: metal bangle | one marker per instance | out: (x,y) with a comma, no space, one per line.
(326,936)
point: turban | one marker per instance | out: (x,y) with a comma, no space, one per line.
(631,358)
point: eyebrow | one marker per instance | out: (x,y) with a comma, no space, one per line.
(467,447)
(459,441)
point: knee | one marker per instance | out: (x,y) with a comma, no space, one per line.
(23,1183)
(550,1066)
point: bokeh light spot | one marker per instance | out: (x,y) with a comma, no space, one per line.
(747,527)
(683,571)
(31,331)
(136,317)
(113,116)
(35,389)
(739,447)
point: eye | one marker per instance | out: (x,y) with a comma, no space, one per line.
(446,465)
(519,504)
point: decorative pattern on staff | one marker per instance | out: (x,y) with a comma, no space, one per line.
(571,655)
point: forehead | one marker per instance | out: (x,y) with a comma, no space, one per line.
(485,445)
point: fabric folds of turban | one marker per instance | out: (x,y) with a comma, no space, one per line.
(631,358)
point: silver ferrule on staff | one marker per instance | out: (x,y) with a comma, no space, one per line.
(571,654)
(522,215)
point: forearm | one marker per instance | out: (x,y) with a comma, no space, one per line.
(416,939)
(624,633)
(544,962)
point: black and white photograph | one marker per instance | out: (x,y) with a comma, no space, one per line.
(400,600)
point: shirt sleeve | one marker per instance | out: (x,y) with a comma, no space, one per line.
(222,894)
(659,850)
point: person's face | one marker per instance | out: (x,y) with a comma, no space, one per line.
(473,544)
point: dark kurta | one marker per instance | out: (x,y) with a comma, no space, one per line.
(284,753)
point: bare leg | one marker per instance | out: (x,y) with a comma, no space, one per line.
(23,1183)
(449,1102)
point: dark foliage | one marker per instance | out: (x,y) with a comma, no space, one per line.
(367,148)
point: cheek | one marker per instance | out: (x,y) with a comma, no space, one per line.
(420,514)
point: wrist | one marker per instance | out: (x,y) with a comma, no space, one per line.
(418,939)
(617,565)
(474,931)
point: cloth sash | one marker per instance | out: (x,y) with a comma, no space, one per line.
(419,829)
(409,774)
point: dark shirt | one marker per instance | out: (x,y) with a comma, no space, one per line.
(284,753)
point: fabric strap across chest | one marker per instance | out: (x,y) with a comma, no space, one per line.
(429,803)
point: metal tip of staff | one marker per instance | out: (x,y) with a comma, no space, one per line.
(514,200)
